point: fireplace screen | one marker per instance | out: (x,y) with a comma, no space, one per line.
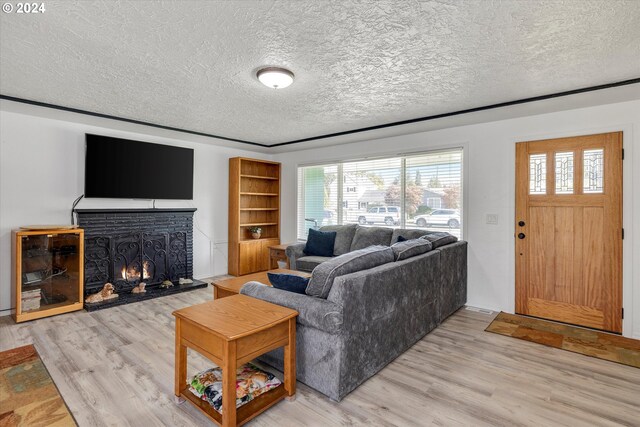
(139,257)
(128,259)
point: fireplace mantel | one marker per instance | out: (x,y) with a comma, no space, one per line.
(134,210)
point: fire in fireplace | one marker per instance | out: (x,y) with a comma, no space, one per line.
(132,274)
(143,257)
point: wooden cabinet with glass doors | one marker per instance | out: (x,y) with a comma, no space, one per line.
(48,272)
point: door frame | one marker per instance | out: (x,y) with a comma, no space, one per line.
(628,297)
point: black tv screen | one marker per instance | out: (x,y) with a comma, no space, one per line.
(125,169)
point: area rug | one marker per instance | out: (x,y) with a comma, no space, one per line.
(566,337)
(28,395)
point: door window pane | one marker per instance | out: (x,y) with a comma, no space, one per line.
(564,173)
(538,174)
(593,181)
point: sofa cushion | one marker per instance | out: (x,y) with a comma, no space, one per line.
(371,236)
(289,282)
(308,263)
(410,248)
(320,243)
(344,237)
(408,234)
(362,259)
(440,238)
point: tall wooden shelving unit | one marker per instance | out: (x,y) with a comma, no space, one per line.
(254,201)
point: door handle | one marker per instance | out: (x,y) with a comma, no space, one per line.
(521,236)
(521,223)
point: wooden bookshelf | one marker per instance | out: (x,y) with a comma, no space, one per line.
(254,201)
(260,177)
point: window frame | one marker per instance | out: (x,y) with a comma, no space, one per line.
(463,147)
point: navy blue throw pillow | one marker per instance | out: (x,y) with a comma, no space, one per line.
(401,239)
(320,243)
(289,282)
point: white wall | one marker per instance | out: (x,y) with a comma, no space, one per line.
(489,188)
(42,172)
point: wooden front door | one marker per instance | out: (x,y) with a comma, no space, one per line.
(569,230)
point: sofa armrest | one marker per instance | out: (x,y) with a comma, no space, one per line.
(294,252)
(453,290)
(314,312)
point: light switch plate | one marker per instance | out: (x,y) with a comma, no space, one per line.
(492,219)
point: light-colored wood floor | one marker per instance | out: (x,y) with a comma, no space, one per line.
(115,368)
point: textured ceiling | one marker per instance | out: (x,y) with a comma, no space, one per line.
(191,64)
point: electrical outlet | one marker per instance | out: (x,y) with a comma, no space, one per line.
(492,219)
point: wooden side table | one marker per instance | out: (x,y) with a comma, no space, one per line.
(230,332)
(277,253)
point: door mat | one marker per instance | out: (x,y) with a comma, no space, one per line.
(566,337)
(28,395)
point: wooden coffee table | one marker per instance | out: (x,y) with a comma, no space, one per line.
(228,287)
(230,332)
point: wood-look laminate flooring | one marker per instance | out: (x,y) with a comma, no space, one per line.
(115,368)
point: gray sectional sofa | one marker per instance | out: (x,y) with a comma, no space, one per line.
(365,307)
(349,238)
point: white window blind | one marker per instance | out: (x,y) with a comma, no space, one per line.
(419,191)
(317,197)
(377,184)
(433,191)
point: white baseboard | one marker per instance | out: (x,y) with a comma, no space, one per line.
(7,311)
(478,309)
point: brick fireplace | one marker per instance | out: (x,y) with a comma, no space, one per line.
(128,246)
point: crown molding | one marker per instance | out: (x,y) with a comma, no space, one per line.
(335,134)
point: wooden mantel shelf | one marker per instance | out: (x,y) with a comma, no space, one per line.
(135,210)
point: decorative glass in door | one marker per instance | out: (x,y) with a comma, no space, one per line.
(564,173)
(538,174)
(593,171)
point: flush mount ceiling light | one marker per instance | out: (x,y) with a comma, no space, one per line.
(274,77)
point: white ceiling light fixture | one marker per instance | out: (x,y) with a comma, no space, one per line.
(275,77)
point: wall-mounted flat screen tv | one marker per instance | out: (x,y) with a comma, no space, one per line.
(126,169)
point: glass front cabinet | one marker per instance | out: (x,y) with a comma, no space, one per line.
(49,272)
